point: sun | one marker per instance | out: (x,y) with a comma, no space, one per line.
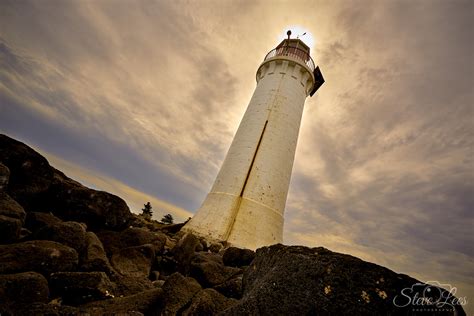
(298,31)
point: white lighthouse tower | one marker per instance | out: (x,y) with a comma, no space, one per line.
(246,203)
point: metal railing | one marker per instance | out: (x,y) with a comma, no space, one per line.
(292,52)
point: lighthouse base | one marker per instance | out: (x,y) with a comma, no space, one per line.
(240,221)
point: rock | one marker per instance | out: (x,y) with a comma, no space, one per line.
(12,217)
(71,234)
(50,310)
(155,275)
(35,185)
(210,271)
(72,201)
(178,292)
(199,247)
(166,265)
(24,234)
(9,229)
(133,236)
(36,220)
(41,256)
(94,257)
(205,244)
(143,303)
(236,257)
(296,280)
(215,247)
(80,287)
(30,173)
(21,289)
(208,302)
(4,176)
(9,207)
(134,261)
(171,228)
(170,243)
(231,288)
(184,250)
(127,285)
(111,241)
(158,283)
(146,302)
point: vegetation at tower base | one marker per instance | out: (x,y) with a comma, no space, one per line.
(147,213)
(167,219)
(71,250)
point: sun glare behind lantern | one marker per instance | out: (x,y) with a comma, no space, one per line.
(298,32)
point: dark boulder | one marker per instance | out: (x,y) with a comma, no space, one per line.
(154,275)
(166,265)
(30,173)
(146,302)
(236,257)
(71,234)
(12,217)
(210,271)
(178,292)
(129,285)
(184,250)
(50,309)
(133,236)
(4,176)
(72,201)
(21,289)
(207,256)
(94,258)
(36,220)
(172,228)
(111,241)
(10,229)
(143,303)
(24,234)
(216,247)
(134,261)
(296,280)
(37,186)
(9,207)
(76,288)
(231,288)
(170,243)
(208,302)
(41,256)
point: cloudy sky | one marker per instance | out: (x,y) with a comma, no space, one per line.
(142,98)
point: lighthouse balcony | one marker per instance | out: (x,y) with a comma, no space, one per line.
(292,52)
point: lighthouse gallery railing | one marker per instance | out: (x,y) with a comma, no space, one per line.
(292,52)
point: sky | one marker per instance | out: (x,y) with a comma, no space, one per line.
(142,99)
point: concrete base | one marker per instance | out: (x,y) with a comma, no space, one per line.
(255,226)
(215,217)
(252,224)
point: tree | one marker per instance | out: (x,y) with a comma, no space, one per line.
(167,219)
(146,210)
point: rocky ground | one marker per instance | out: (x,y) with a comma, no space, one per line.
(66,249)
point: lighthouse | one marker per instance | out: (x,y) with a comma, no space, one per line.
(246,203)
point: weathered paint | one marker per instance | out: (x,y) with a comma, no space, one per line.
(246,203)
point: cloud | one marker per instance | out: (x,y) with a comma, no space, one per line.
(134,198)
(119,97)
(384,163)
